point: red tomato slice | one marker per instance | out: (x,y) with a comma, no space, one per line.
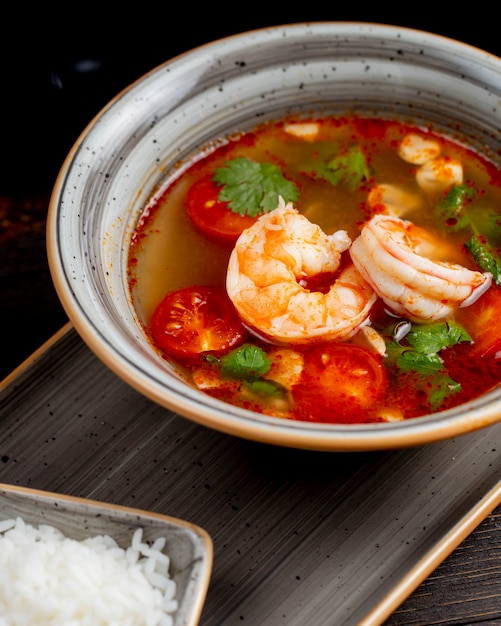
(484,324)
(340,383)
(212,217)
(196,320)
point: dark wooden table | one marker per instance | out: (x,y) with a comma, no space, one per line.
(466,587)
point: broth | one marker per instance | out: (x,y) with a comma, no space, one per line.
(389,367)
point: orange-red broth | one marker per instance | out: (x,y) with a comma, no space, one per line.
(168,253)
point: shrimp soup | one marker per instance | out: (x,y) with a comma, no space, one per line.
(338,270)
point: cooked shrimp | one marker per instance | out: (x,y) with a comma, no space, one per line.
(422,289)
(392,200)
(439,174)
(417,149)
(265,269)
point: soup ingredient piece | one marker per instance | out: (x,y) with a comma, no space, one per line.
(430,339)
(245,362)
(286,366)
(47,578)
(212,217)
(348,168)
(439,174)
(303,130)
(417,149)
(386,253)
(418,351)
(452,208)
(252,188)
(195,320)
(391,200)
(370,339)
(248,363)
(391,414)
(486,256)
(458,212)
(268,373)
(340,383)
(270,390)
(485,325)
(250,371)
(264,280)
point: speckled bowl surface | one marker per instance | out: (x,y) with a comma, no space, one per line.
(188,546)
(125,154)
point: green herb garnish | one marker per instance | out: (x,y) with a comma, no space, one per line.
(485,255)
(249,363)
(264,387)
(431,338)
(252,188)
(457,213)
(246,362)
(348,168)
(452,208)
(418,352)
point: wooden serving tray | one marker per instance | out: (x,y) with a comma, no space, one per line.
(300,537)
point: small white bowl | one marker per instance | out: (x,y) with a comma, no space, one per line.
(189,547)
(126,152)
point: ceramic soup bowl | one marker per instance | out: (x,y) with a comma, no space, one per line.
(129,149)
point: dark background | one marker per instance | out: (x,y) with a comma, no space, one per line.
(58,72)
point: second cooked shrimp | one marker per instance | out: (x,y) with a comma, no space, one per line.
(265,269)
(388,254)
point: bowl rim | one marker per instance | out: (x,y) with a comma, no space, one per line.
(220,416)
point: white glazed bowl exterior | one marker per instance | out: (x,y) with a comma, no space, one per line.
(125,154)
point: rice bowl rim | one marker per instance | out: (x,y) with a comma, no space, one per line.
(88,517)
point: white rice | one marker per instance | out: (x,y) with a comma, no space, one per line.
(47,578)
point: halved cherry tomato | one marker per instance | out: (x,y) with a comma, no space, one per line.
(340,383)
(196,320)
(484,324)
(212,217)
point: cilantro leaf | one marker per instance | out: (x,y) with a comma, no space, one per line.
(420,362)
(444,387)
(249,363)
(246,362)
(252,188)
(485,255)
(418,352)
(264,387)
(489,223)
(452,208)
(348,168)
(429,339)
